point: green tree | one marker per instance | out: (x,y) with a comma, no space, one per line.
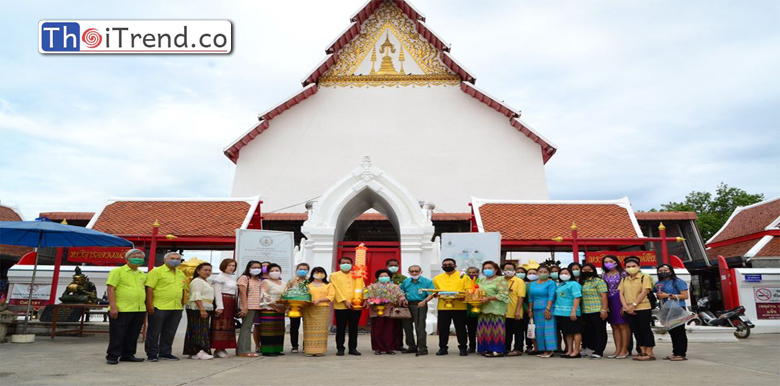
(713,211)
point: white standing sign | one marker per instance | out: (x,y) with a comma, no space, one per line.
(261,245)
(471,249)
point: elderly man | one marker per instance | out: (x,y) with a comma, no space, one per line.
(164,299)
(418,307)
(126,297)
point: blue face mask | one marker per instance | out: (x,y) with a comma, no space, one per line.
(554,275)
(302,272)
(173,263)
(345,267)
(384,279)
(488,272)
(392,269)
(520,275)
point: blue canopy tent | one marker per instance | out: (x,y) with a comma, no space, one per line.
(43,233)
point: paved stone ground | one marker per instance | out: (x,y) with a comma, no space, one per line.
(80,361)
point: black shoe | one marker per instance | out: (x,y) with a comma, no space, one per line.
(112,361)
(354,352)
(472,350)
(340,353)
(442,352)
(402,349)
(169,357)
(131,359)
(268,354)
(377,352)
(409,351)
(463,352)
(421,352)
(152,358)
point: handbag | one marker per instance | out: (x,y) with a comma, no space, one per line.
(651,295)
(531,334)
(399,313)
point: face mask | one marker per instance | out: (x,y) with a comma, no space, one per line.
(543,276)
(173,263)
(509,273)
(664,275)
(488,272)
(275,275)
(345,267)
(255,271)
(265,269)
(415,277)
(302,272)
(319,276)
(135,260)
(588,275)
(554,275)
(520,275)
(565,277)
(610,266)
(576,273)
(473,276)
(447,268)
(632,270)
(392,269)
(533,277)
(384,279)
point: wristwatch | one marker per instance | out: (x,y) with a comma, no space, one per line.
(634,304)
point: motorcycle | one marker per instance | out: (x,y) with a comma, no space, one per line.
(731,318)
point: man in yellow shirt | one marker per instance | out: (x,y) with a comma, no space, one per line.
(164,299)
(126,297)
(452,280)
(514,312)
(346,289)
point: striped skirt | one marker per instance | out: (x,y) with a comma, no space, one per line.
(491,333)
(223,327)
(546,333)
(315,330)
(271,332)
(197,336)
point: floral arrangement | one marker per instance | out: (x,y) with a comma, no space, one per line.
(380,294)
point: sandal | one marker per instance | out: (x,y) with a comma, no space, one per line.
(514,353)
(644,358)
(377,353)
(390,352)
(678,359)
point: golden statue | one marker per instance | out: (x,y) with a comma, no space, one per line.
(80,290)
(188,267)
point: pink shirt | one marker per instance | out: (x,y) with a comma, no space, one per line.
(253,293)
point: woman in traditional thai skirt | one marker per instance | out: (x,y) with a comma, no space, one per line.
(199,309)
(541,295)
(223,327)
(315,316)
(272,313)
(385,331)
(491,327)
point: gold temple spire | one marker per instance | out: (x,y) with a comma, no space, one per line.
(373,61)
(387,48)
(401,59)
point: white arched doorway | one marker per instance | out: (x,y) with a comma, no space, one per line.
(367,187)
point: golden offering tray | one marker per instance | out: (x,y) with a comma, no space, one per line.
(474,299)
(449,297)
(295,307)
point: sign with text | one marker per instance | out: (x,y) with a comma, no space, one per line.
(471,249)
(750,278)
(98,255)
(135,36)
(260,245)
(20,294)
(646,258)
(767,302)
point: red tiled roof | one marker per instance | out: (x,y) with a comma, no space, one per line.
(15,251)
(523,221)
(770,249)
(664,216)
(364,217)
(749,220)
(59,216)
(180,218)
(731,250)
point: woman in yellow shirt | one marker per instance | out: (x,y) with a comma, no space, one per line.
(636,307)
(315,316)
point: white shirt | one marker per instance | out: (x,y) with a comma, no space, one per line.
(223,284)
(203,291)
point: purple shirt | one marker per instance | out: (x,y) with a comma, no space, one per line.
(613,281)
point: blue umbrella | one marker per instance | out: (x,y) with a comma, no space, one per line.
(43,233)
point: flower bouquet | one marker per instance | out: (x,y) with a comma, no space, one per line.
(296,296)
(380,296)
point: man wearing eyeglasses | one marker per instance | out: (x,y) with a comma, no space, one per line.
(418,307)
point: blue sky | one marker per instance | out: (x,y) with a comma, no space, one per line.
(650,99)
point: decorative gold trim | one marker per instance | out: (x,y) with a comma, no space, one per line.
(388,18)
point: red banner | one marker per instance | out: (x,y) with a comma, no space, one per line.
(98,255)
(646,258)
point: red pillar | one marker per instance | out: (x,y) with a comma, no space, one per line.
(153,246)
(575,248)
(726,283)
(55,278)
(664,248)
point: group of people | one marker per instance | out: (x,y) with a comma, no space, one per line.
(548,308)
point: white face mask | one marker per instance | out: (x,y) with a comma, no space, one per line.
(415,277)
(256,271)
(564,277)
(275,275)
(509,273)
